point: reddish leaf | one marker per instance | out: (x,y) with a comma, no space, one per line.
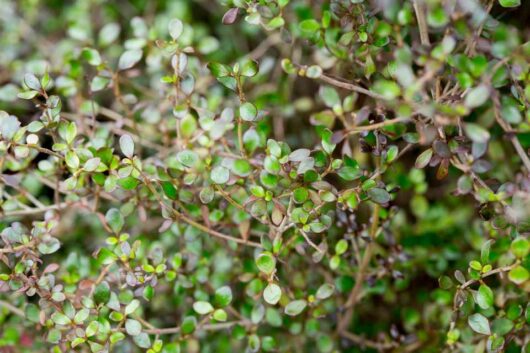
(230,16)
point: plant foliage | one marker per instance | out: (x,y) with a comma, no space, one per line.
(264,175)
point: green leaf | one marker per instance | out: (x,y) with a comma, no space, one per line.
(32,82)
(133,327)
(223,297)
(242,168)
(148,293)
(300,195)
(35,126)
(309,26)
(169,190)
(129,58)
(387,89)
(485,250)
(220,315)
(314,71)
(132,306)
(378,195)
(202,307)
(510,3)
(437,17)
(91,164)
(518,275)
(72,160)
(127,146)
(276,22)
(479,323)
(116,337)
(219,70)
(424,158)
(502,326)
(350,173)
(49,246)
(207,195)
(330,96)
(341,247)
(266,263)
(272,165)
(228,82)
(27,94)
(325,291)
(92,329)
(484,297)
(9,125)
(79,340)
(81,316)
(109,33)
(54,336)
(248,111)
(476,133)
(220,175)
(91,56)
(32,312)
(102,293)
(272,293)
(445,282)
(477,96)
(175,28)
(392,153)
(128,183)
(520,247)
(60,318)
(142,340)
(287,66)
(98,83)
(188,158)
(249,68)
(188,325)
(115,220)
(295,307)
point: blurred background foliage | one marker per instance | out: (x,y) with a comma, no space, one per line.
(428,232)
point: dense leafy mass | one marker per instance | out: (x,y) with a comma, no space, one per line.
(264,175)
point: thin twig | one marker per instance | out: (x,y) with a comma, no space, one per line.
(207,327)
(309,241)
(489,273)
(350,86)
(419,8)
(511,134)
(190,221)
(358,129)
(36,210)
(12,308)
(363,342)
(16,248)
(359,278)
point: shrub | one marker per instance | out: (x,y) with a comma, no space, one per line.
(343,176)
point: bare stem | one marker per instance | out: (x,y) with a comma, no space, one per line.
(419,8)
(12,308)
(359,278)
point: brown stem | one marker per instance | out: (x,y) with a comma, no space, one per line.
(511,135)
(193,223)
(363,342)
(350,86)
(358,129)
(419,8)
(12,308)
(359,278)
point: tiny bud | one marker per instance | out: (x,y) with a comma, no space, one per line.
(32,139)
